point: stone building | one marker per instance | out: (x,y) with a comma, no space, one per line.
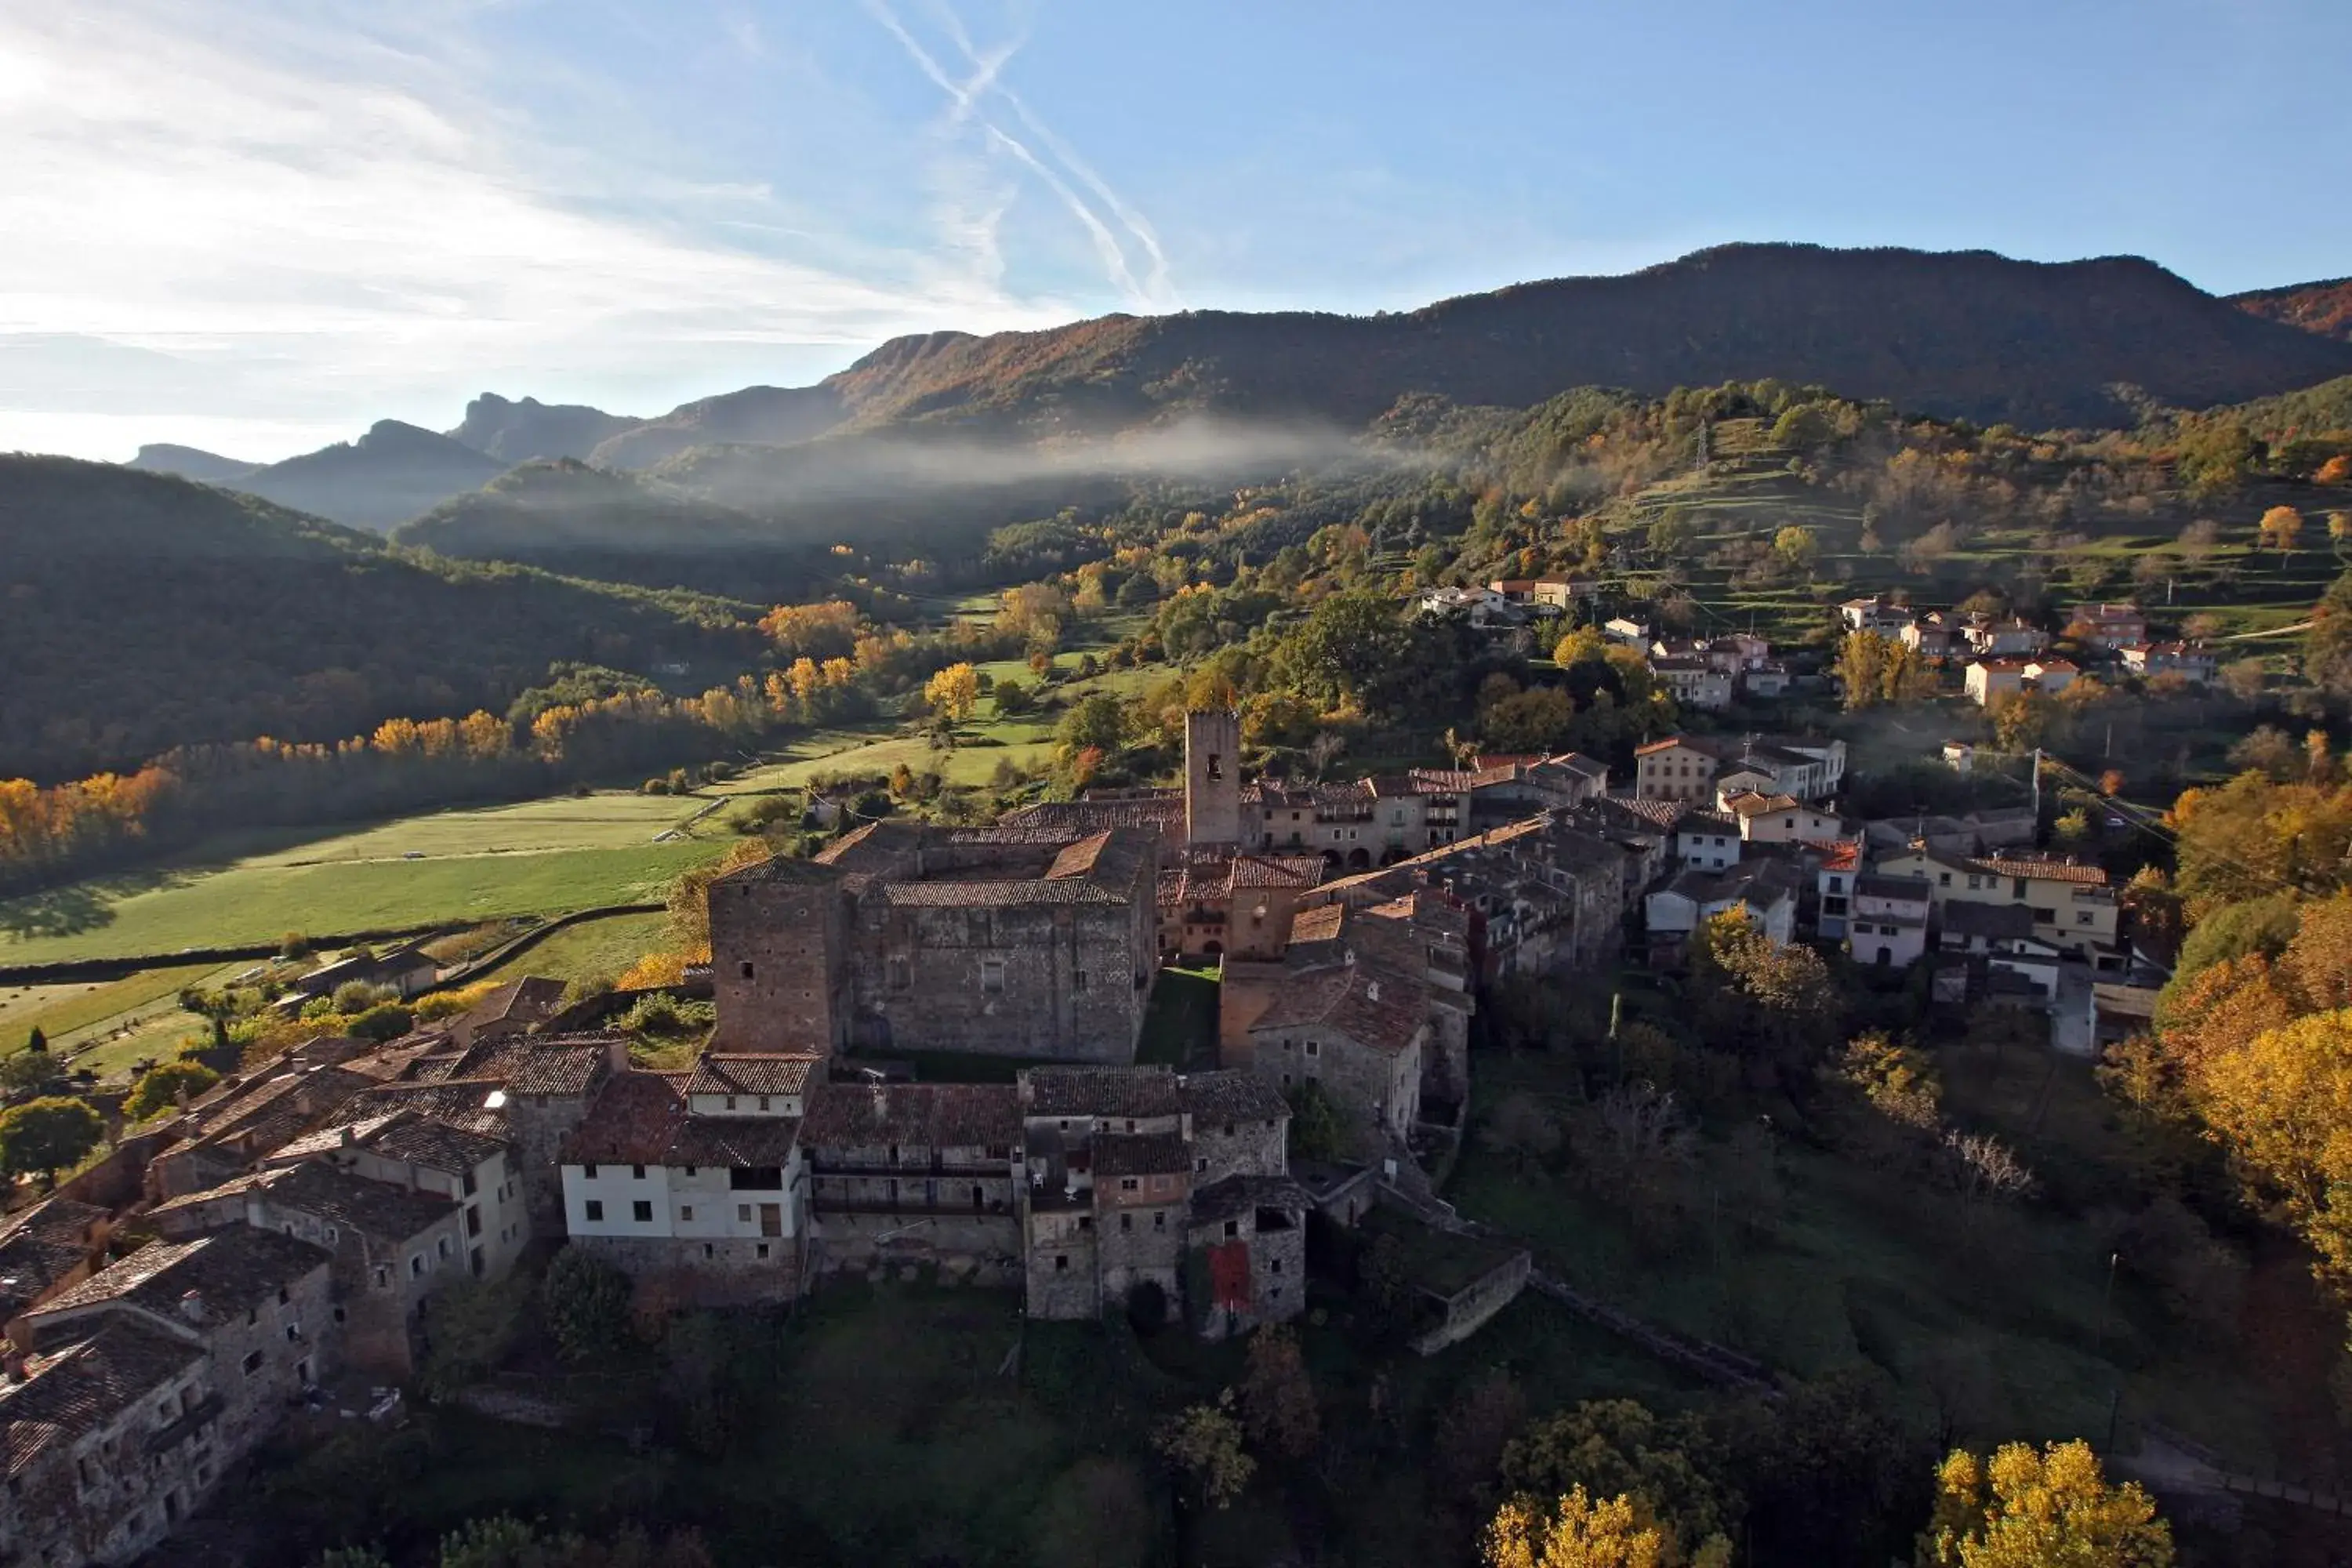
(1009,941)
(695,1181)
(129,1397)
(416,1145)
(47,1250)
(1143,1178)
(391,1248)
(921,1172)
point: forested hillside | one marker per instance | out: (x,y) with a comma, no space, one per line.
(144,612)
(2323,308)
(1964,334)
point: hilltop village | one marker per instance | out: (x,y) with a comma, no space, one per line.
(302,1217)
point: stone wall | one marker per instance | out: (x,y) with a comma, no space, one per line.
(1060,1261)
(1467,1311)
(779,943)
(982,1250)
(1251,1149)
(726,1272)
(1050,980)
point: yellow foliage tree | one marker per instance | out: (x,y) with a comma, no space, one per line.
(2033,1510)
(2280,528)
(653,969)
(953,692)
(1579,1534)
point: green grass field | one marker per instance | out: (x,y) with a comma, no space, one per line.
(318,890)
(592,950)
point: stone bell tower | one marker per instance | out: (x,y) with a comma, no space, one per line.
(1213,776)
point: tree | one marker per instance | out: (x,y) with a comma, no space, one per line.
(1620,1448)
(2029,1510)
(586,1301)
(475,1325)
(1796,549)
(954,692)
(1320,1128)
(2279,529)
(1203,1444)
(32,1071)
(42,1137)
(1520,1127)
(1760,997)
(1097,722)
(1862,669)
(1278,1408)
(1474,1431)
(162,1086)
(1578,1534)
(36,1042)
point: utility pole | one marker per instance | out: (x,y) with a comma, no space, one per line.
(2037,784)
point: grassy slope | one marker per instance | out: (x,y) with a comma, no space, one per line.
(2003,1321)
(1748,492)
(591,949)
(545,857)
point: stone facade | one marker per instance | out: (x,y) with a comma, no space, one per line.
(1144,1178)
(998,941)
(146,1383)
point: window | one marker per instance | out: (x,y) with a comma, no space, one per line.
(442,1247)
(708,1250)
(902,975)
(341,1316)
(1127,1184)
(747,969)
(637,1173)
(1943,878)
(589,1172)
(1201,1166)
(473,1222)
(1127,1222)
(760,1250)
(332,1236)
(1233,1228)
(756,1179)
(744,1214)
(1160,1220)
(1274,1266)
(731,1102)
(466,1187)
(282,1295)
(252,1363)
(1314,1047)
(2082,917)
(1216,766)
(1061,1263)
(595,1210)
(293,1333)
(1077,980)
(764,1102)
(642,1211)
(382,1277)
(686,1211)
(992,975)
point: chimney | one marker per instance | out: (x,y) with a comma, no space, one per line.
(12,1363)
(344,1136)
(191,1306)
(1373,992)
(617,1054)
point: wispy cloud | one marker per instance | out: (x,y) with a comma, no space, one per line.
(1071,180)
(305,218)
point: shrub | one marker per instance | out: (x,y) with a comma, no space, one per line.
(586,1301)
(384,1021)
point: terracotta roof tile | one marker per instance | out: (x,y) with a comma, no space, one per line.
(733,1072)
(932,1115)
(1100,1091)
(231,1269)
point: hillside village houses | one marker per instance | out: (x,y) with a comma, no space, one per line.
(307,1215)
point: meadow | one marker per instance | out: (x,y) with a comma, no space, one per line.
(543,857)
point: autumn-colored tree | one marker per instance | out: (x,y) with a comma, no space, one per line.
(953,692)
(1759,997)
(1577,1532)
(2336,471)
(1796,549)
(1203,1444)
(2029,1509)
(1618,1448)
(2279,529)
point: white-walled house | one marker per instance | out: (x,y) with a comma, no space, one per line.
(1708,840)
(1889,921)
(696,1176)
(1763,889)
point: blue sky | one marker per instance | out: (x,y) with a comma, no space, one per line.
(256,227)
